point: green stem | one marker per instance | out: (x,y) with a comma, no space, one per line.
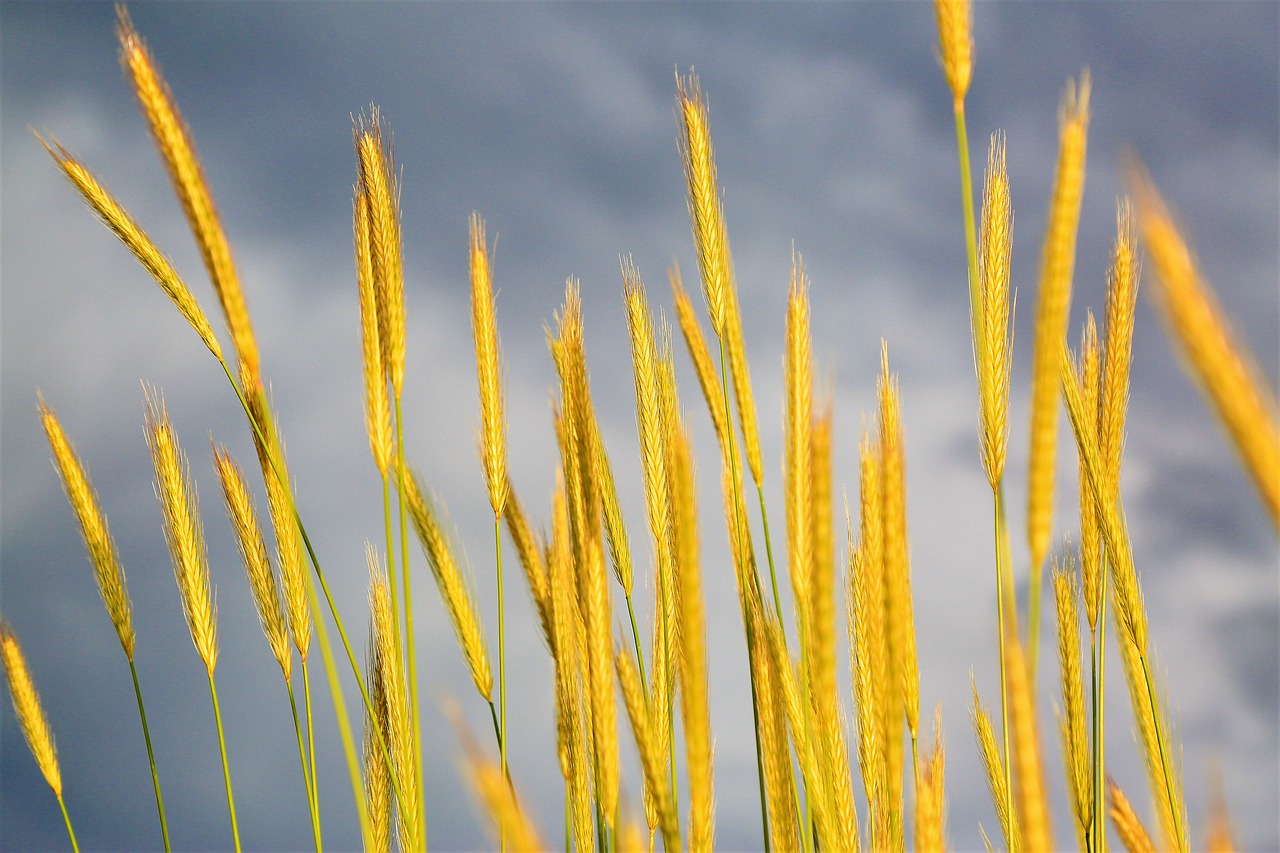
(502,650)
(635,633)
(311,745)
(75,846)
(414,710)
(151,759)
(1175,807)
(226,769)
(970,228)
(308,779)
(746,617)
(1007,619)
(773,574)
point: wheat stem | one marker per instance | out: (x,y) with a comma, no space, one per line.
(502,645)
(226,770)
(151,756)
(1007,621)
(412,684)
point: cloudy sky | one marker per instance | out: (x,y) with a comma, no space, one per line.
(555,122)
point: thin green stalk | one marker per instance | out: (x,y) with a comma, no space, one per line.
(746,620)
(773,574)
(568,807)
(1156,723)
(67,819)
(322,637)
(151,759)
(635,633)
(502,651)
(226,769)
(308,779)
(414,710)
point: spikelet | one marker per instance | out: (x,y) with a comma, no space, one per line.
(379,185)
(253,551)
(173,140)
(293,574)
(930,804)
(708,379)
(458,600)
(484,328)
(1052,308)
(901,630)
(27,708)
(1091,565)
(93,529)
(376,772)
(652,750)
(1223,369)
(798,379)
(1001,796)
(705,213)
(377,408)
(1130,829)
(136,240)
(993,352)
(1071,721)
(182,531)
(1113,394)
(391,674)
(693,673)
(955,39)
(1028,769)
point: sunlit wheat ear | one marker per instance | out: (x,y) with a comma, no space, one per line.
(377,408)
(705,212)
(93,528)
(27,708)
(484,328)
(377,774)
(1222,367)
(955,40)
(529,549)
(993,352)
(1052,308)
(497,796)
(382,190)
(773,739)
(253,551)
(1071,720)
(288,541)
(693,678)
(454,589)
(1091,564)
(176,493)
(1133,835)
(1001,796)
(798,381)
(391,673)
(1117,355)
(135,239)
(173,140)
(901,622)
(1028,766)
(708,378)
(930,802)
(651,748)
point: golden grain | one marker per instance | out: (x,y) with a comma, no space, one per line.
(377,408)
(705,213)
(380,186)
(93,528)
(1127,824)
(397,725)
(173,140)
(377,774)
(253,551)
(28,710)
(1071,721)
(1001,795)
(1122,296)
(708,378)
(993,352)
(1052,308)
(1091,565)
(798,419)
(1028,768)
(955,40)
(484,328)
(182,530)
(930,801)
(651,748)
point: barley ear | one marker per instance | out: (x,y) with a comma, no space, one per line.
(955,40)
(1126,822)
(484,327)
(1071,722)
(377,408)
(1223,369)
(705,213)
(1029,783)
(379,185)
(135,239)
(708,378)
(930,801)
(1001,796)
(27,708)
(93,528)
(994,343)
(173,140)
(1052,308)
(183,533)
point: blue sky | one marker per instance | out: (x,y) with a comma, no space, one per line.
(555,122)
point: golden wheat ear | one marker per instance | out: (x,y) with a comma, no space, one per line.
(1223,369)
(27,707)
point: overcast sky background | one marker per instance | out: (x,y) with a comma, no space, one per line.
(833,131)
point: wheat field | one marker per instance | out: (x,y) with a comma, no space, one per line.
(560,126)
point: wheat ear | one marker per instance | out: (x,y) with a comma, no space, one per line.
(377,407)
(1128,826)
(701,357)
(377,773)
(173,140)
(955,40)
(30,713)
(930,800)
(1071,722)
(993,343)
(650,746)
(1001,791)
